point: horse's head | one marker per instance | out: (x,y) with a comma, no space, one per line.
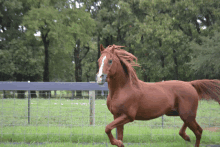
(107,64)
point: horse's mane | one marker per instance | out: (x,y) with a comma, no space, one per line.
(128,59)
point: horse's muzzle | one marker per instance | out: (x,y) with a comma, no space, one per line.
(102,79)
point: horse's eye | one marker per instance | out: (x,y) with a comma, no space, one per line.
(110,61)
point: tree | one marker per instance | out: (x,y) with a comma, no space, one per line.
(207,62)
(80,27)
(27,61)
(166,31)
(46,18)
(11,14)
(89,64)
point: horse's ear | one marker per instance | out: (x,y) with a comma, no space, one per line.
(101,48)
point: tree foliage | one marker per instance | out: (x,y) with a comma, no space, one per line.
(173,39)
(207,62)
(19,59)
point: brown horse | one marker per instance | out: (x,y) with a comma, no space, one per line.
(131,99)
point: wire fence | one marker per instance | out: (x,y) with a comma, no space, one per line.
(64,116)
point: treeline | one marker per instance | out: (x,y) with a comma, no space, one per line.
(173,39)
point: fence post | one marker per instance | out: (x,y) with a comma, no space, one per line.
(162,121)
(92,107)
(29,99)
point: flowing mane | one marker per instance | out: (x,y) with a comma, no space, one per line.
(127,59)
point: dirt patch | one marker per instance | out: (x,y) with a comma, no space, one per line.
(212,129)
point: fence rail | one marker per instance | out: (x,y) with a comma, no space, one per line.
(37,86)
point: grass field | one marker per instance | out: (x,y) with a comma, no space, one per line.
(64,122)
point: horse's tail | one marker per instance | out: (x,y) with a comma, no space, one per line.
(207,89)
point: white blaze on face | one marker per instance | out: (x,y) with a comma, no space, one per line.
(99,78)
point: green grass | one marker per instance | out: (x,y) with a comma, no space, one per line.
(133,134)
(62,121)
(174,144)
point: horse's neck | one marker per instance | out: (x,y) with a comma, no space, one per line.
(118,81)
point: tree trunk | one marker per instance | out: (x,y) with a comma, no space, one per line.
(78,61)
(107,42)
(78,68)
(79,92)
(87,77)
(162,58)
(129,49)
(46,63)
(176,65)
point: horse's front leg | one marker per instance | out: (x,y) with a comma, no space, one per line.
(119,121)
(120,130)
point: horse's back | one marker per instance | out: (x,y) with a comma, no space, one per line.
(179,90)
(173,87)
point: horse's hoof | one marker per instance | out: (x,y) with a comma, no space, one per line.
(187,138)
(122,145)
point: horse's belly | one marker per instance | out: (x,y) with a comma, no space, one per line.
(173,112)
(149,114)
(146,117)
(154,109)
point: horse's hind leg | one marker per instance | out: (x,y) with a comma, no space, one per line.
(197,130)
(183,134)
(200,129)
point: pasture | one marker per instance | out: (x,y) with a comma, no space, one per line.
(55,122)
